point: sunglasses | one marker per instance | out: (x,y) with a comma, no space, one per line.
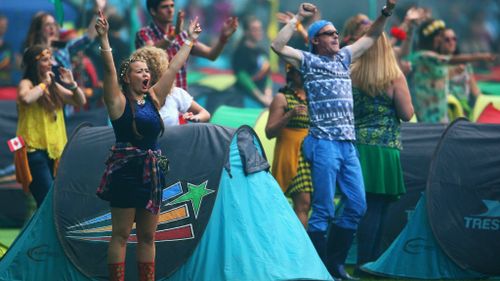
(328,33)
(364,22)
(450,39)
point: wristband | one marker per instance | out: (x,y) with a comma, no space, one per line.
(73,87)
(294,21)
(105,50)
(386,12)
(167,39)
(299,26)
(42,86)
(189,43)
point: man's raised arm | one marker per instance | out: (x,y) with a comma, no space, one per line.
(364,43)
(289,54)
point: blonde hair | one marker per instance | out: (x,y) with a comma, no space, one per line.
(376,68)
(155,58)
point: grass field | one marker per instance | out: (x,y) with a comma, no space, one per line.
(7,235)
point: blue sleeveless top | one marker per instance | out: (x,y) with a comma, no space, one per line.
(147,122)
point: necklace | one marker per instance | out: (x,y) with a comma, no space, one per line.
(142,100)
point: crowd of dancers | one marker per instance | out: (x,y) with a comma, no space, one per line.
(337,119)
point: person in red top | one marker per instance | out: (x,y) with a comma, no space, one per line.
(163,34)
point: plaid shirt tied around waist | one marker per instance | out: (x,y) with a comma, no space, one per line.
(155,166)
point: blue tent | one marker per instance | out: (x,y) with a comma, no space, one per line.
(453,231)
(242,228)
(416,254)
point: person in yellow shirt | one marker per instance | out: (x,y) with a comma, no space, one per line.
(40,119)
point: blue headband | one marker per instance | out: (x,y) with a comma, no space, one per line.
(315,28)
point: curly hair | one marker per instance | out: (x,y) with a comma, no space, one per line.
(157,62)
(155,58)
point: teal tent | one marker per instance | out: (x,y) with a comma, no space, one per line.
(453,231)
(416,254)
(242,228)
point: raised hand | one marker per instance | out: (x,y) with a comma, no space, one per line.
(391,4)
(194,29)
(101,25)
(99,4)
(179,24)
(229,27)
(306,10)
(414,15)
(48,78)
(66,76)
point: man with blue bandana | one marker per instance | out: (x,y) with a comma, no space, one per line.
(329,146)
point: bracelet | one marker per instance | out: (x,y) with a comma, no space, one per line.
(42,86)
(73,87)
(299,26)
(167,39)
(105,50)
(386,12)
(189,43)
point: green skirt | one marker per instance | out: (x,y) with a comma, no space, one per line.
(382,172)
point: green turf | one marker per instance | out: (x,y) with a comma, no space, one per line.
(7,235)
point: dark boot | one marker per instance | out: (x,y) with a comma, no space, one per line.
(116,271)
(338,245)
(318,238)
(146,271)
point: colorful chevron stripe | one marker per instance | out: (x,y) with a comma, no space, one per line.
(98,229)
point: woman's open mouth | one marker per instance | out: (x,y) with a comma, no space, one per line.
(145,83)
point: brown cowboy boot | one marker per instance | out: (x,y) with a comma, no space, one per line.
(146,271)
(116,271)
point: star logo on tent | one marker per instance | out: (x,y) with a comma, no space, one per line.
(194,195)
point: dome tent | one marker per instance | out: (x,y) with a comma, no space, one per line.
(241,228)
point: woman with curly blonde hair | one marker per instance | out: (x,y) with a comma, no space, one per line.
(381,100)
(179,105)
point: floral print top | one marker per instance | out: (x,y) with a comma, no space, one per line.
(460,77)
(430,86)
(375,120)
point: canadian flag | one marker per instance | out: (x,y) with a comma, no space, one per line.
(15,143)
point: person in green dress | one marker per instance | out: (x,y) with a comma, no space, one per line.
(463,85)
(381,100)
(430,73)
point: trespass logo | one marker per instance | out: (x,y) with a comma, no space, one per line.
(489,220)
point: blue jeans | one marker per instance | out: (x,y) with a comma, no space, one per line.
(334,163)
(41,168)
